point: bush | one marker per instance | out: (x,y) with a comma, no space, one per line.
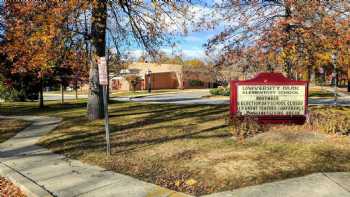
(196,83)
(220,91)
(11,94)
(330,123)
(245,126)
(17,93)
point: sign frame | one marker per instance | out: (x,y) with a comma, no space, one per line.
(277,79)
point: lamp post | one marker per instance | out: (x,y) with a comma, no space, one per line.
(334,59)
(149,72)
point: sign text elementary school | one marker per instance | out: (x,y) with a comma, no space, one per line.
(271,97)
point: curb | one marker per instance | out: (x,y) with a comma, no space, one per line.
(27,186)
(145,95)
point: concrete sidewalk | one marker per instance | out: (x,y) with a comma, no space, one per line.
(314,185)
(39,172)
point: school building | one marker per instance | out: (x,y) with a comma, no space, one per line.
(162,76)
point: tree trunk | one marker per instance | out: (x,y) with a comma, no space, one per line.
(98,33)
(76,94)
(309,73)
(62,93)
(76,89)
(41,93)
(288,13)
(289,69)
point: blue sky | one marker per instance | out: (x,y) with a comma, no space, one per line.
(192,44)
(189,46)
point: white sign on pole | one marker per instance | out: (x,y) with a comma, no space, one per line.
(321,70)
(102,71)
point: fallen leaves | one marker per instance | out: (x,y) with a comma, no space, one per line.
(8,189)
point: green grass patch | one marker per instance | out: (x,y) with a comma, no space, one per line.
(189,148)
(141,93)
(321,93)
(51,108)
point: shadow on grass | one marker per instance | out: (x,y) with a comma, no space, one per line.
(31,108)
(150,142)
(161,116)
(135,110)
(168,116)
(95,141)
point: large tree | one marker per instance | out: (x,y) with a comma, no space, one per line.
(291,33)
(127,22)
(124,24)
(29,37)
(37,39)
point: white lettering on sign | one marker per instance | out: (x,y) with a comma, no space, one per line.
(271,99)
(102,71)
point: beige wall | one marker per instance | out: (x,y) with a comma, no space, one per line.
(155,68)
(165,76)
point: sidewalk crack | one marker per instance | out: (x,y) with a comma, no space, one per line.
(94,189)
(41,186)
(334,181)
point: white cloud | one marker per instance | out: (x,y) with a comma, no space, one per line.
(193,39)
(194,53)
(186,53)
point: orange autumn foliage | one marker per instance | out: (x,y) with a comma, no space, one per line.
(35,36)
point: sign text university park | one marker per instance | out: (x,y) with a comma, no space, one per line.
(270,97)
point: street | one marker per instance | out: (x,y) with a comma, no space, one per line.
(199,96)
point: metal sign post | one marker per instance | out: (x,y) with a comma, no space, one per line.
(103,78)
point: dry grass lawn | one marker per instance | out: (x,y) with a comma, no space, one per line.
(10,127)
(189,148)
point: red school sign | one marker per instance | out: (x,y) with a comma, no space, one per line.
(270,97)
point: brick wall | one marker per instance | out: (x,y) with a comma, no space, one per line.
(165,80)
